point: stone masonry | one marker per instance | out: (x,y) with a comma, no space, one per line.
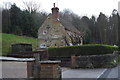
(57,32)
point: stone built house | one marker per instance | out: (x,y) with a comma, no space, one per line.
(57,32)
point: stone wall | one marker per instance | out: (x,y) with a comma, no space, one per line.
(90,61)
(51,34)
(65,61)
(94,61)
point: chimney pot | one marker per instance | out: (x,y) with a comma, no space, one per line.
(55,12)
(54,4)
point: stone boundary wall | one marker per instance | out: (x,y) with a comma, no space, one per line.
(94,61)
(65,61)
(90,61)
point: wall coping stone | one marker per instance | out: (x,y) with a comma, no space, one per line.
(49,62)
(15,59)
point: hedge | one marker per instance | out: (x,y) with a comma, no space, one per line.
(90,49)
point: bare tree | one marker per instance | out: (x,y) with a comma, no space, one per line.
(6,5)
(32,6)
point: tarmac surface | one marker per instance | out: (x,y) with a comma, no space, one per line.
(112,73)
(82,73)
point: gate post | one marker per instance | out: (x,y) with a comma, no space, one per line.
(36,71)
(73,62)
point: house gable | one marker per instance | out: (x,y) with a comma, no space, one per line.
(51,31)
(57,32)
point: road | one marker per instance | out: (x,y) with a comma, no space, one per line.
(82,73)
(92,74)
(112,73)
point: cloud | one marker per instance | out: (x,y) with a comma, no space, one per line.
(80,7)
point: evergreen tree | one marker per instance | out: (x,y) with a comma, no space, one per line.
(6,21)
(102,24)
(15,19)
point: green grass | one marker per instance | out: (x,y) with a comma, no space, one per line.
(8,39)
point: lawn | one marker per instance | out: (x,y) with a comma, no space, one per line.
(8,39)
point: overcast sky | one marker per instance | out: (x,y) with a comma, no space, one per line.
(80,7)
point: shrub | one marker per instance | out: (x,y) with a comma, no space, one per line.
(90,49)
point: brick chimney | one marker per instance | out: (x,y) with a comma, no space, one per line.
(55,12)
